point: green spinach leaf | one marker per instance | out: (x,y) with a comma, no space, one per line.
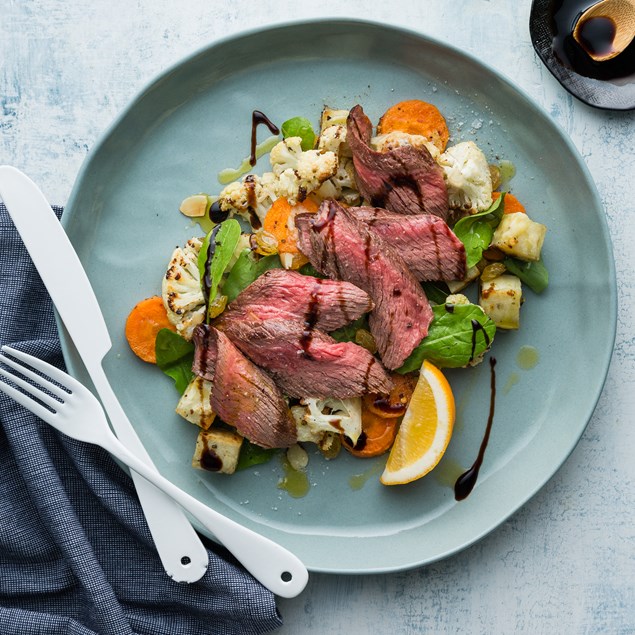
(533,274)
(174,357)
(251,454)
(225,238)
(476,231)
(347,333)
(299,127)
(436,292)
(458,334)
(309,270)
(246,269)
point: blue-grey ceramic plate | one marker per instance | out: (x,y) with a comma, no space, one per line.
(195,120)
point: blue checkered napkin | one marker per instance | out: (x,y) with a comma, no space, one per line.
(76,556)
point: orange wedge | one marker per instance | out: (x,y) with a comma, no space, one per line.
(425,431)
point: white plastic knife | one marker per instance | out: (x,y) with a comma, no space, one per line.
(181,551)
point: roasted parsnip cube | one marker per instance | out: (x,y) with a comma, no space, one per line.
(217,451)
(457,285)
(519,236)
(332,117)
(501,298)
(194,404)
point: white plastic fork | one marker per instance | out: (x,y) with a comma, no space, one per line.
(76,412)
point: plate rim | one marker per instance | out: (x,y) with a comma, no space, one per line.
(492,525)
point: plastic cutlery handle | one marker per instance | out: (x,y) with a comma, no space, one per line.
(180,549)
(183,555)
(271,564)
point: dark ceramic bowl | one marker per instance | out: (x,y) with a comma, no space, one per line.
(609,85)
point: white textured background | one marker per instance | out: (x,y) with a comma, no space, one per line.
(565,563)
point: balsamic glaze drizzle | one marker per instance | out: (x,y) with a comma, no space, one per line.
(387,406)
(319,225)
(466,482)
(211,461)
(310,319)
(369,368)
(597,36)
(476,327)
(259,118)
(216,214)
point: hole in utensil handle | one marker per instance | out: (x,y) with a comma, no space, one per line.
(186,560)
(286,576)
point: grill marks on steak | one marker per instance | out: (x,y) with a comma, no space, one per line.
(324,304)
(242,395)
(307,366)
(427,245)
(406,180)
(278,322)
(343,247)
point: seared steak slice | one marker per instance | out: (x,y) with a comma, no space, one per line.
(304,361)
(327,304)
(406,180)
(427,245)
(343,247)
(242,395)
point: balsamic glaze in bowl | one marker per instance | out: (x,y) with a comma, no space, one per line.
(609,84)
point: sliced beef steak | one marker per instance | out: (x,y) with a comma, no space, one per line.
(304,361)
(242,395)
(343,247)
(406,180)
(325,304)
(427,245)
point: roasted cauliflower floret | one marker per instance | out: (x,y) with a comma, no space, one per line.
(335,415)
(342,186)
(305,433)
(194,404)
(396,139)
(344,178)
(333,132)
(328,442)
(253,196)
(181,289)
(457,298)
(467,176)
(300,173)
(333,139)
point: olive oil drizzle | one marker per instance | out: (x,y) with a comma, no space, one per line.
(294,482)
